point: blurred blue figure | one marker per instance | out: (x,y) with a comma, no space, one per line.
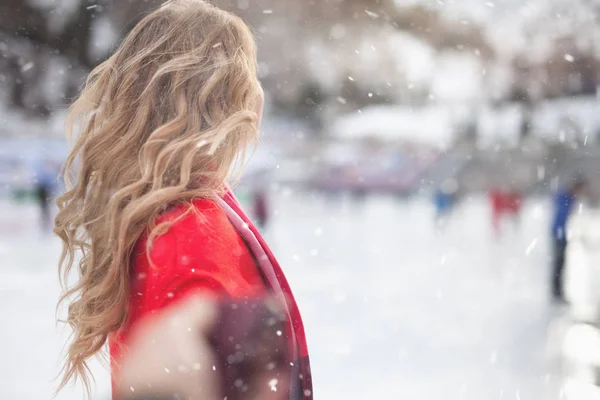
(444,199)
(564,200)
(46,181)
(443,202)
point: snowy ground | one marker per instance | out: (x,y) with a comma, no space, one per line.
(393,309)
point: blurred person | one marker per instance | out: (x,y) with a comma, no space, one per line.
(564,199)
(260,207)
(21,183)
(504,203)
(179,338)
(496,202)
(445,198)
(150,218)
(46,180)
(514,203)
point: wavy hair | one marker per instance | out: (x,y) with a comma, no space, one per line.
(160,122)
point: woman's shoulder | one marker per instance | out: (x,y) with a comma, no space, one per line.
(191,228)
(194,214)
(174,211)
(195,245)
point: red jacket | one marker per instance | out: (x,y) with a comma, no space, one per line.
(200,251)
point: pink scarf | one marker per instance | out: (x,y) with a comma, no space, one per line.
(278,284)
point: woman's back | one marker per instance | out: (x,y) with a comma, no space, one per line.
(200,251)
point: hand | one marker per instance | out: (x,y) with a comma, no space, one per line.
(170,355)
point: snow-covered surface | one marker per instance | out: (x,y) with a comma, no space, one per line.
(459,77)
(17,124)
(523,26)
(500,124)
(415,57)
(392,309)
(105,36)
(568,119)
(21,159)
(430,125)
(565,119)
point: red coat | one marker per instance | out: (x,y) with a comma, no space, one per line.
(200,251)
(505,202)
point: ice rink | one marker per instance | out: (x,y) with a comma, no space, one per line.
(393,308)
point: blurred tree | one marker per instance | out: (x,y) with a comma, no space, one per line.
(309,104)
(443,34)
(307,49)
(34,40)
(65,29)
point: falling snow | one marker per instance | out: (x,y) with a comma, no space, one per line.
(273,384)
(27,66)
(372,14)
(531,247)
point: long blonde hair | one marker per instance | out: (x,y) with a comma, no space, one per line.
(160,122)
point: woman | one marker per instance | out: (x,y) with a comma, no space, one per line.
(149,218)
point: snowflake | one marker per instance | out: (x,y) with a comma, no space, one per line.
(273,384)
(372,14)
(27,67)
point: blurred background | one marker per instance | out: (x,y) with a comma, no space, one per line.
(409,176)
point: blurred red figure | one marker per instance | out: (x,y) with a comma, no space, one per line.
(504,202)
(260,208)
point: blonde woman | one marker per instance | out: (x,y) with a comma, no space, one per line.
(147,217)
